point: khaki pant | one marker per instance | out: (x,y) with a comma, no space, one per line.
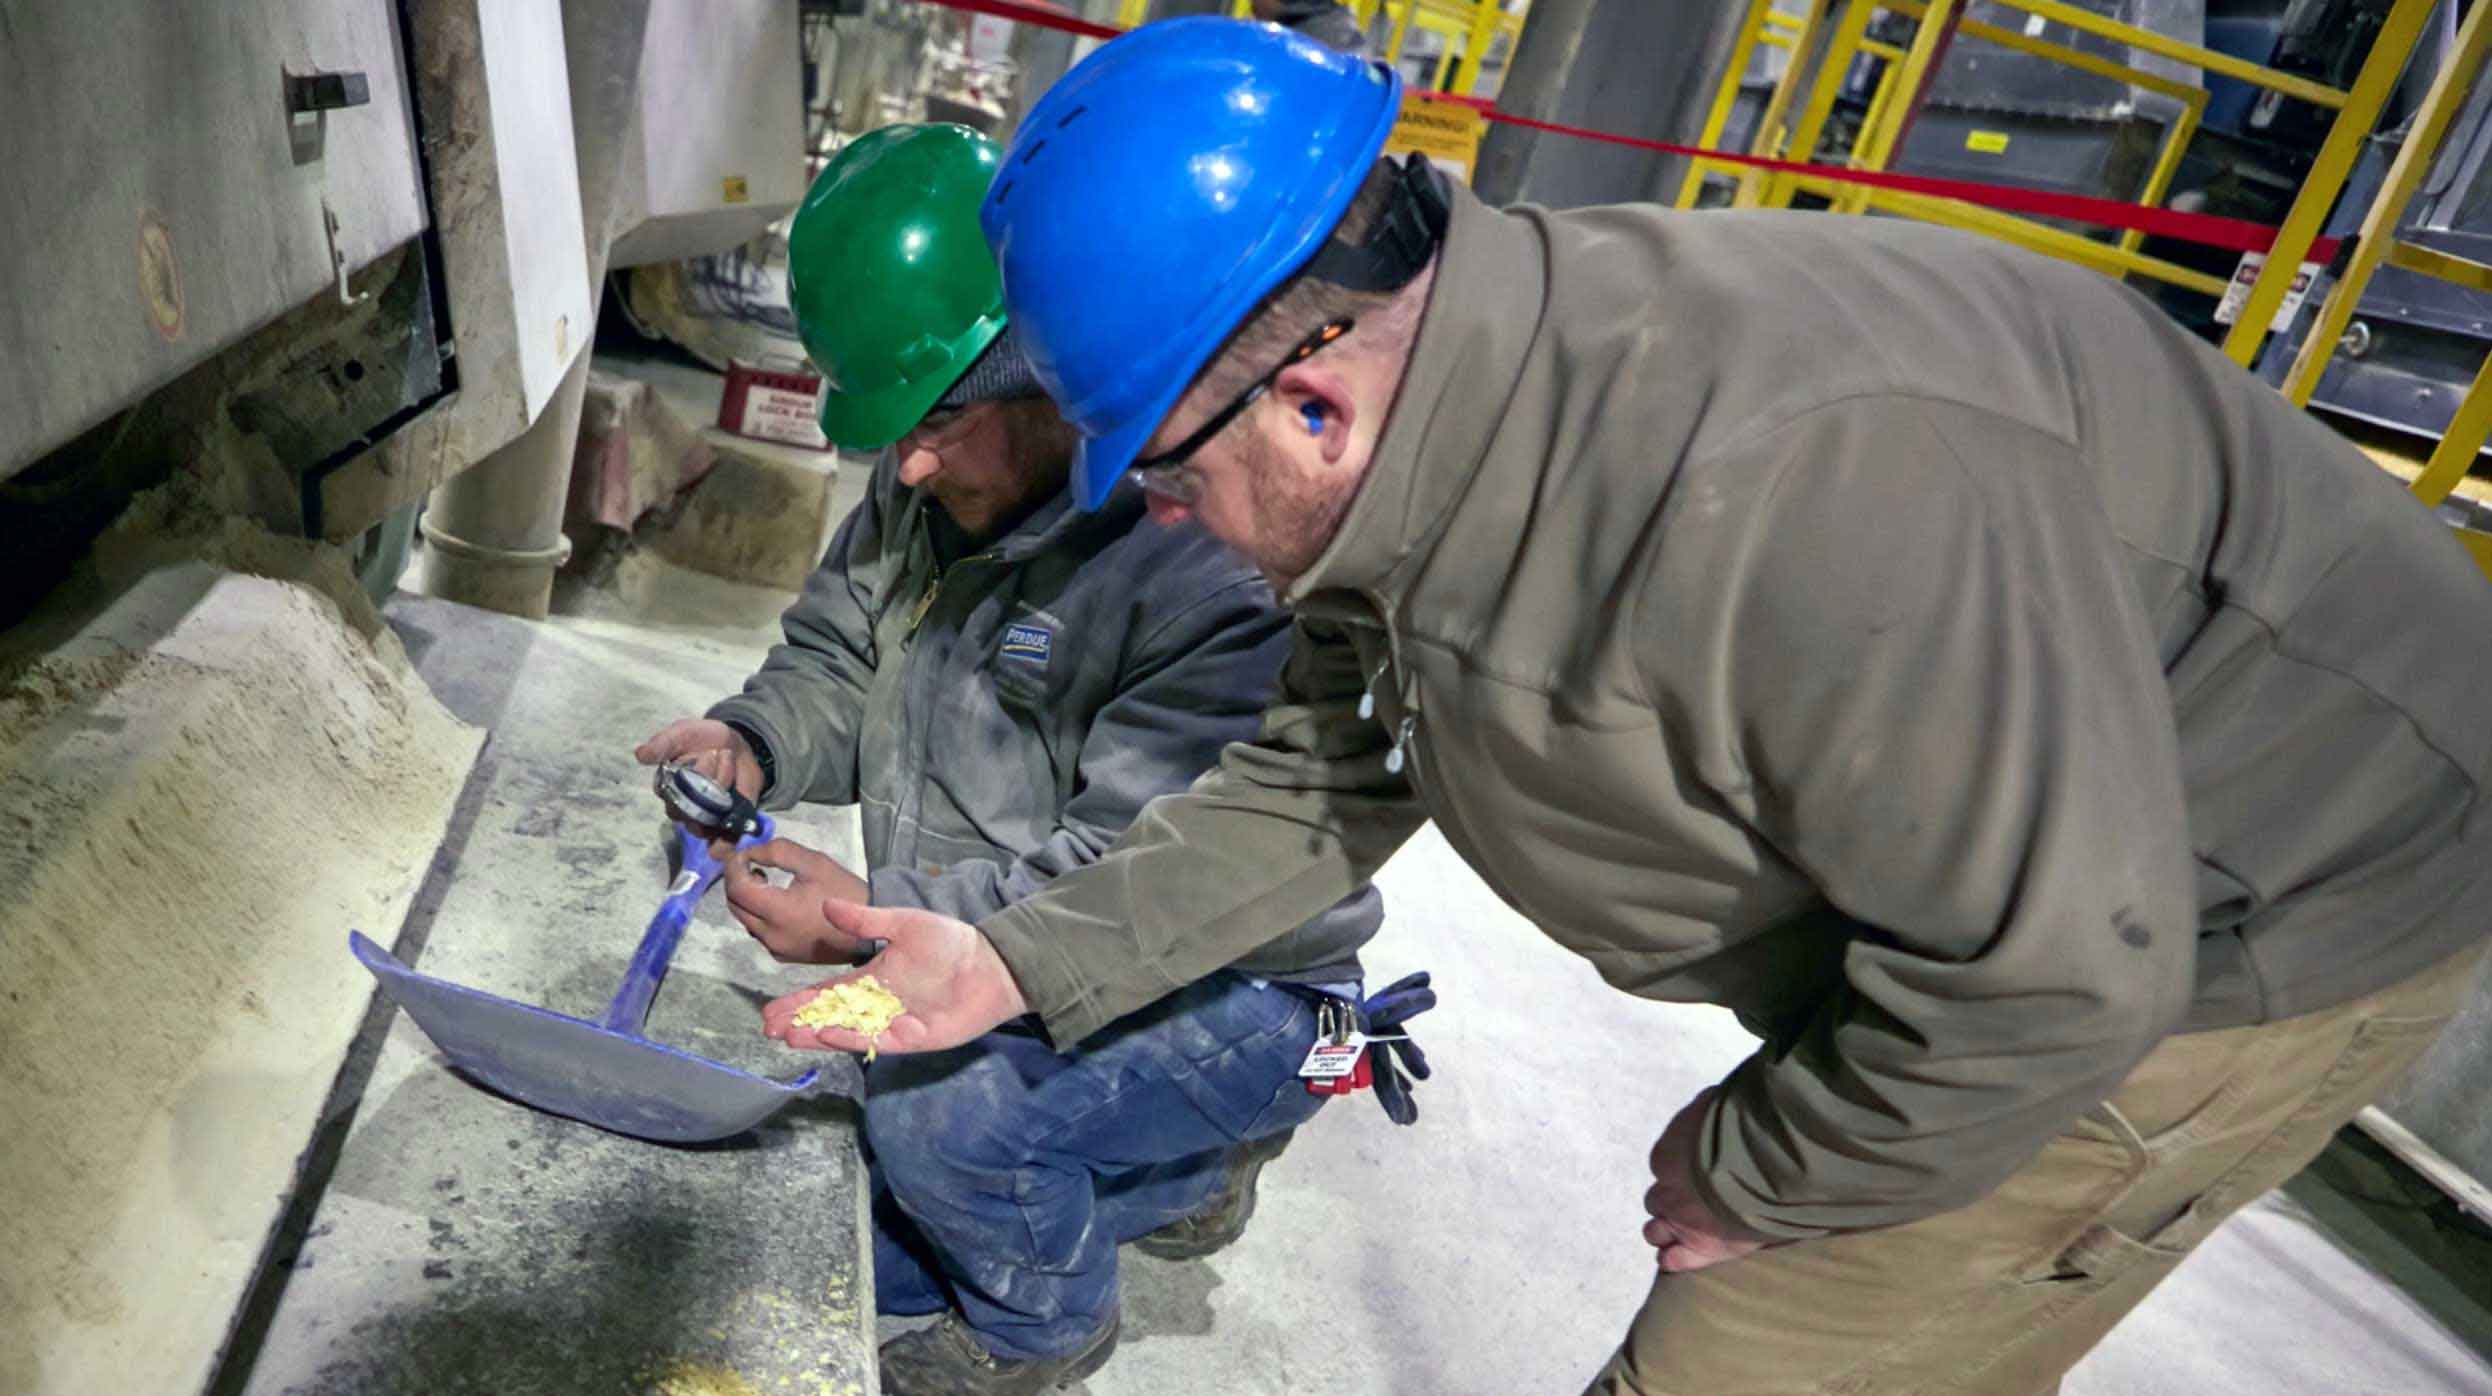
(2001,1298)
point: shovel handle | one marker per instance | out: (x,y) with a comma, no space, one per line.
(696,870)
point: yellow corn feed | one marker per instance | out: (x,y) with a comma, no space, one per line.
(861,1005)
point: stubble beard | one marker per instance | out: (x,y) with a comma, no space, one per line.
(1295,517)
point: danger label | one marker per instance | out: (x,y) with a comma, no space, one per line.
(1330,1061)
(780,414)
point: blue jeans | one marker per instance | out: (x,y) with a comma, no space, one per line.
(1006,1173)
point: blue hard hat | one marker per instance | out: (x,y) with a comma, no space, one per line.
(1155,195)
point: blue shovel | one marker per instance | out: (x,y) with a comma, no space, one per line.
(603,1073)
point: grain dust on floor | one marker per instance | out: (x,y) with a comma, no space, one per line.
(206,780)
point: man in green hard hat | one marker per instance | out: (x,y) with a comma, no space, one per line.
(1001,681)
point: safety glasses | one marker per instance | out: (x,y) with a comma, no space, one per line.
(1171,474)
(941,429)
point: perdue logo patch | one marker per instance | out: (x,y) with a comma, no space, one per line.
(1031,644)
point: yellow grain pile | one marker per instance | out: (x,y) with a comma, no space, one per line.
(861,1005)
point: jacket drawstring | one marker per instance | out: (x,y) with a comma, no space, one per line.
(1393,759)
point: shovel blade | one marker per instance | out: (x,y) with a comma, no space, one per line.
(571,1067)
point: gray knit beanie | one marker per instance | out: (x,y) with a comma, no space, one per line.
(999,373)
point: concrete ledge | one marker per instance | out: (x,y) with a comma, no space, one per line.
(750,519)
(466,1243)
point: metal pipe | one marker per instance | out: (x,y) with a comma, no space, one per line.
(493,532)
(1535,83)
(2443,1172)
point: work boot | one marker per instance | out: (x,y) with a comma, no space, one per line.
(1223,1219)
(947,1359)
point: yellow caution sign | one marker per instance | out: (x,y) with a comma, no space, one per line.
(1448,133)
(1986,142)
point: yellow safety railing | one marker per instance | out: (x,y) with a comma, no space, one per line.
(2378,244)
(1758,26)
(2176,136)
(1469,27)
(1852,37)
(1905,72)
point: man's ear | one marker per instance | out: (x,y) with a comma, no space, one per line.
(1320,401)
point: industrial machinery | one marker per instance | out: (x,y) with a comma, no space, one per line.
(342,252)
(1996,112)
(2074,112)
(302,268)
(2415,340)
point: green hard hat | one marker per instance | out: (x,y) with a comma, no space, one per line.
(894,289)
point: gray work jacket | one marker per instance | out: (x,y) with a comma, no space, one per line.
(1003,719)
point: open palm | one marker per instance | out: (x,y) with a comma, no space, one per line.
(955,986)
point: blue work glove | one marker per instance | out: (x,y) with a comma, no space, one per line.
(1384,1013)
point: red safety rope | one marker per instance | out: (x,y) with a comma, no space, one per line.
(2237,234)
(1044,16)
(2232,234)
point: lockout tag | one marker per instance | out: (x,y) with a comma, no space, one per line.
(1330,1060)
(2245,277)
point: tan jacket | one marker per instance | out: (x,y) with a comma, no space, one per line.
(1922,647)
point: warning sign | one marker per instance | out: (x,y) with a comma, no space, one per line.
(776,414)
(1446,132)
(772,405)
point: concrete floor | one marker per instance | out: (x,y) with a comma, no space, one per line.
(1493,1247)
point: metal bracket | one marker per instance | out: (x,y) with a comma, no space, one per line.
(310,97)
(318,92)
(337,259)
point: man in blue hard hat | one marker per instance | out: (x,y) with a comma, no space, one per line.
(2045,736)
(1001,681)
